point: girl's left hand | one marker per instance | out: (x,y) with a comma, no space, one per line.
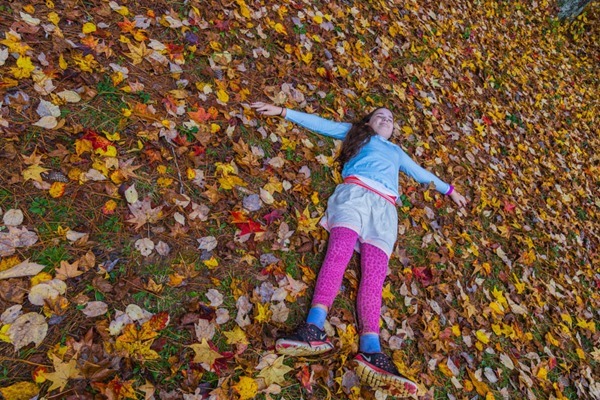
(459,199)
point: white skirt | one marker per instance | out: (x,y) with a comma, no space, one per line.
(374,218)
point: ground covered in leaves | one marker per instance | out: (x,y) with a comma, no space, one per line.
(157,235)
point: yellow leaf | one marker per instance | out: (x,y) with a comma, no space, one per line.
(567,318)
(111,151)
(88,27)
(57,189)
(542,373)
(387,293)
(306,224)
(124,11)
(315,198)
(279,28)
(138,53)
(23,69)
(63,371)
(53,17)
(275,372)
(497,308)
(482,336)
(204,354)
(246,388)
(39,278)
(480,386)
(552,340)
(456,330)
(191,173)
(164,182)
(236,336)
(4,333)
(307,58)
(222,96)
(211,263)
(20,391)
(407,130)
(62,63)
(34,172)
(228,182)
(7,263)
(243,8)
(214,128)
(263,313)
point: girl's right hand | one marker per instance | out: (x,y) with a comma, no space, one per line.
(268,109)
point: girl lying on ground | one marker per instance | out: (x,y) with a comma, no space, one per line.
(361,214)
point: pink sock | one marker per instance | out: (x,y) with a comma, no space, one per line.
(339,251)
(373,264)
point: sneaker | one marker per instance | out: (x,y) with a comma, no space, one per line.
(378,371)
(307,340)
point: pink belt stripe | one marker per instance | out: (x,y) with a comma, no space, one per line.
(355,181)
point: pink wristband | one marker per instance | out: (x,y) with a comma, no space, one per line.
(449,192)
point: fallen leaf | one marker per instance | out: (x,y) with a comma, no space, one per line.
(13,217)
(95,309)
(20,391)
(25,268)
(275,372)
(28,328)
(63,372)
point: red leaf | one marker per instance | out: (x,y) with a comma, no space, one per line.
(305,379)
(250,227)
(273,216)
(423,275)
(98,142)
(509,207)
(200,115)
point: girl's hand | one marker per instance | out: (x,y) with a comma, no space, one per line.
(458,198)
(268,109)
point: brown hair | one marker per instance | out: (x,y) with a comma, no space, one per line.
(358,135)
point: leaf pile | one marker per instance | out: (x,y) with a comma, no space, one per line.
(157,235)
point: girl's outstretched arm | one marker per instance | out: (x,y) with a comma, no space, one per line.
(314,123)
(421,175)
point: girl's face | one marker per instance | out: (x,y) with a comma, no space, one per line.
(382,122)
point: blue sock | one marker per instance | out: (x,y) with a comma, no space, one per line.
(316,316)
(369,343)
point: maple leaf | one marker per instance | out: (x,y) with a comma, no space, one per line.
(205,355)
(246,388)
(63,371)
(126,169)
(306,224)
(116,389)
(137,54)
(67,270)
(236,336)
(144,213)
(23,69)
(199,115)
(34,172)
(275,372)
